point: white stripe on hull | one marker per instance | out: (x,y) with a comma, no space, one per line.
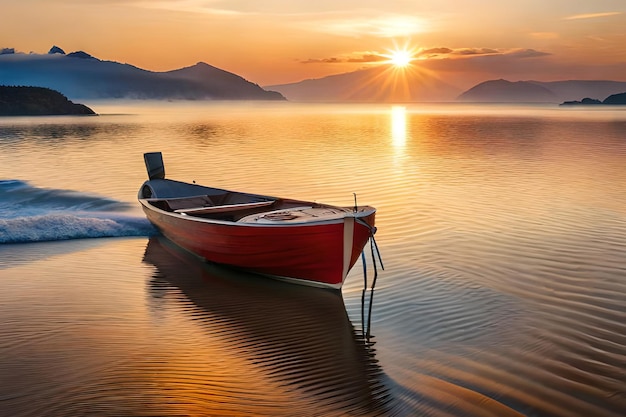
(348,239)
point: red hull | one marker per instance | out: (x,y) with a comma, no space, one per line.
(319,254)
(302,241)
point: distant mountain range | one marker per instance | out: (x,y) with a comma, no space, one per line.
(376,84)
(380,84)
(503,91)
(81,76)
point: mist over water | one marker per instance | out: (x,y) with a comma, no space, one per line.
(502,230)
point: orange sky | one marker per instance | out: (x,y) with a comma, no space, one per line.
(280,41)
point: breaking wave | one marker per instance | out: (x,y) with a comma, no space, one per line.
(31,214)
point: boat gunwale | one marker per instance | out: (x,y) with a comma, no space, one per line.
(364,211)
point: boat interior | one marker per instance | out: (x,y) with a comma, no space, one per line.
(199,201)
(190,199)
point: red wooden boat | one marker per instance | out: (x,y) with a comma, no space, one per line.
(300,241)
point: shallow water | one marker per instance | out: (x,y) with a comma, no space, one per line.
(502,231)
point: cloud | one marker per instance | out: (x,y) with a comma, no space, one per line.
(189,6)
(516,63)
(475,51)
(323,61)
(430,54)
(527,53)
(368,24)
(469,52)
(361,58)
(441,52)
(436,51)
(368,58)
(591,15)
(544,35)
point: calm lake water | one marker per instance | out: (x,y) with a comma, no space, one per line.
(502,231)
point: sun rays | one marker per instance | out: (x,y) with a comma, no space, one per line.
(398,78)
(400,57)
(396,84)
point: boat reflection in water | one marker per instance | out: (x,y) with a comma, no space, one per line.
(300,353)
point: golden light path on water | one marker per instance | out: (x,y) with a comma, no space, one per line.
(398,126)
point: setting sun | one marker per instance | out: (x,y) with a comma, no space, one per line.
(401,58)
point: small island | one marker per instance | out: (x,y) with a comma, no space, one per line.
(37,101)
(612,100)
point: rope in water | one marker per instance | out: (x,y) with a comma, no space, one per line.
(375,252)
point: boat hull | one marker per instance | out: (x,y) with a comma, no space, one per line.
(317,253)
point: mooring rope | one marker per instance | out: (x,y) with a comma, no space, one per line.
(375,252)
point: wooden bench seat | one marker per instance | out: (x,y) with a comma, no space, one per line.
(224,208)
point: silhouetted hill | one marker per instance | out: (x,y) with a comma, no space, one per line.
(376,84)
(615,99)
(37,101)
(56,50)
(230,86)
(503,91)
(585,102)
(612,100)
(80,75)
